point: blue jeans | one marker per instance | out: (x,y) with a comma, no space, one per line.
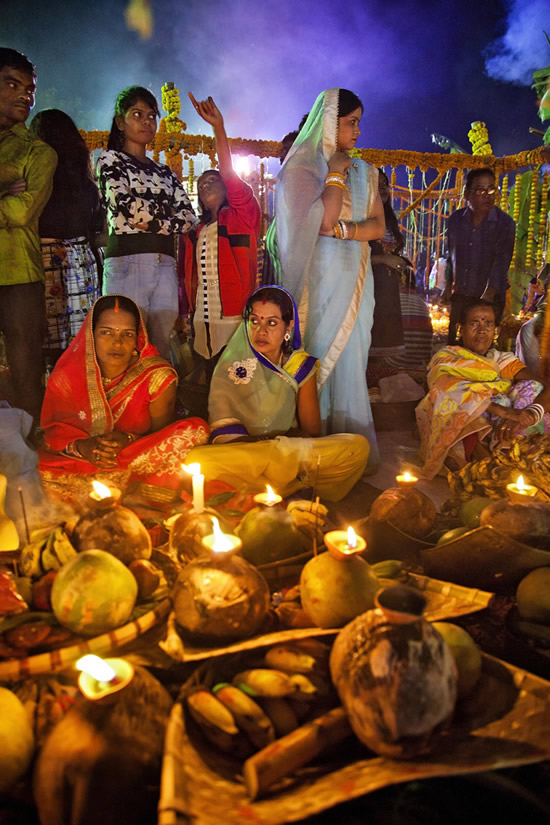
(150,280)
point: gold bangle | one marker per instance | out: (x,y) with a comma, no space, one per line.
(335,175)
(337,230)
(338,184)
(355,228)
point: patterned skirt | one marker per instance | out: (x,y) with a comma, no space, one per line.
(71,287)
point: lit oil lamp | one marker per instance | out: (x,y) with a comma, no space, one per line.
(100,680)
(343,544)
(406,479)
(220,596)
(103,497)
(520,492)
(269,498)
(197,479)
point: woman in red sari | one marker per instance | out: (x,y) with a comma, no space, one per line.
(109,410)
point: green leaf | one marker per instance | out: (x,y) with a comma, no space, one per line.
(220,498)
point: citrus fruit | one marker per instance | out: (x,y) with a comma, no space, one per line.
(466,654)
(533,595)
(471,510)
(450,535)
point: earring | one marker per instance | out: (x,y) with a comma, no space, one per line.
(135,352)
(287,336)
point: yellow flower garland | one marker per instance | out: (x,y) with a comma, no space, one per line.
(543,218)
(531,223)
(515,216)
(479,138)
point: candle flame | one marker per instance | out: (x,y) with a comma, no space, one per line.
(407,476)
(95,667)
(352,537)
(520,483)
(271,496)
(101,489)
(222,543)
(192,469)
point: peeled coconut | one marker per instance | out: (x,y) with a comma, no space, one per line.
(333,592)
(16,739)
(405,508)
(117,530)
(188,530)
(528,522)
(268,535)
(93,593)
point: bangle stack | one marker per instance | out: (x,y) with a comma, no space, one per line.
(537,410)
(72,450)
(342,230)
(335,179)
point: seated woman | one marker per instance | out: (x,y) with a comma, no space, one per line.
(264,390)
(109,410)
(478,397)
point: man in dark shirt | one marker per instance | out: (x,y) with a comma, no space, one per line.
(481,242)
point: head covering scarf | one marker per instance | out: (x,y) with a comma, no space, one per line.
(249,395)
(77,405)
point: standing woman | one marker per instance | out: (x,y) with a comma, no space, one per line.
(327,209)
(146,206)
(221,257)
(67,227)
(387,267)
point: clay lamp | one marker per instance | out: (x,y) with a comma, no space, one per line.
(342,544)
(109,526)
(406,479)
(102,680)
(269,498)
(519,492)
(219,596)
(188,529)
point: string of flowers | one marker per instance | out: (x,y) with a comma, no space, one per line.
(503,200)
(479,138)
(543,219)
(191,175)
(531,222)
(515,216)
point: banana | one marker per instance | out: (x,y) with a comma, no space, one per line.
(62,547)
(289,658)
(388,569)
(30,560)
(281,714)
(264,682)
(305,689)
(209,711)
(320,650)
(308,508)
(248,715)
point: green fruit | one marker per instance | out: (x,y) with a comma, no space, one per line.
(16,739)
(334,592)
(450,535)
(93,593)
(269,535)
(471,510)
(533,595)
(466,655)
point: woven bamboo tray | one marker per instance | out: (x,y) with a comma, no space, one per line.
(444,601)
(504,722)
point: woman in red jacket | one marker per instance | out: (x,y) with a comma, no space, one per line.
(221,254)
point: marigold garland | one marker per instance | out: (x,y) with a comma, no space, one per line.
(531,222)
(515,216)
(479,138)
(543,218)
(503,199)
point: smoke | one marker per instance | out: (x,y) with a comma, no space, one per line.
(523,48)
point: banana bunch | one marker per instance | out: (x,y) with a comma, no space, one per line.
(489,477)
(47,551)
(309,517)
(261,704)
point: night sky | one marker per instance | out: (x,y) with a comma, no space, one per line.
(419,66)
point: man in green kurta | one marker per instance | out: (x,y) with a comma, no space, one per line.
(27,166)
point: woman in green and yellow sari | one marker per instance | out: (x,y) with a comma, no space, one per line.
(264,410)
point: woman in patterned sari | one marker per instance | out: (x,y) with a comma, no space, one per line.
(264,411)
(109,409)
(327,209)
(478,397)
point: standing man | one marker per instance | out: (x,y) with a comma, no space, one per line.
(27,166)
(481,242)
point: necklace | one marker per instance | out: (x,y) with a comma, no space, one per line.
(106,381)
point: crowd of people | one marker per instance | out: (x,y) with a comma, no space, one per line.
(340,287)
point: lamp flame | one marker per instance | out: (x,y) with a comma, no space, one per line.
(192,469)
(271,496)
(520,483)
(352,537)
(95,667)
(222,543)
(101,490)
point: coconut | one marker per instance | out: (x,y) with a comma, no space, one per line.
(188,530)
(333,592)
(93,593)
(269,534)
(528,522)
(406,508)
(115,529)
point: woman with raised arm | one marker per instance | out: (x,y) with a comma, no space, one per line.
(327,210)
(220,256)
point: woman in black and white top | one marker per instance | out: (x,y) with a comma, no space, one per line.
(146,206)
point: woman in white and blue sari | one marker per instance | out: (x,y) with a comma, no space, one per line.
(327,209)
